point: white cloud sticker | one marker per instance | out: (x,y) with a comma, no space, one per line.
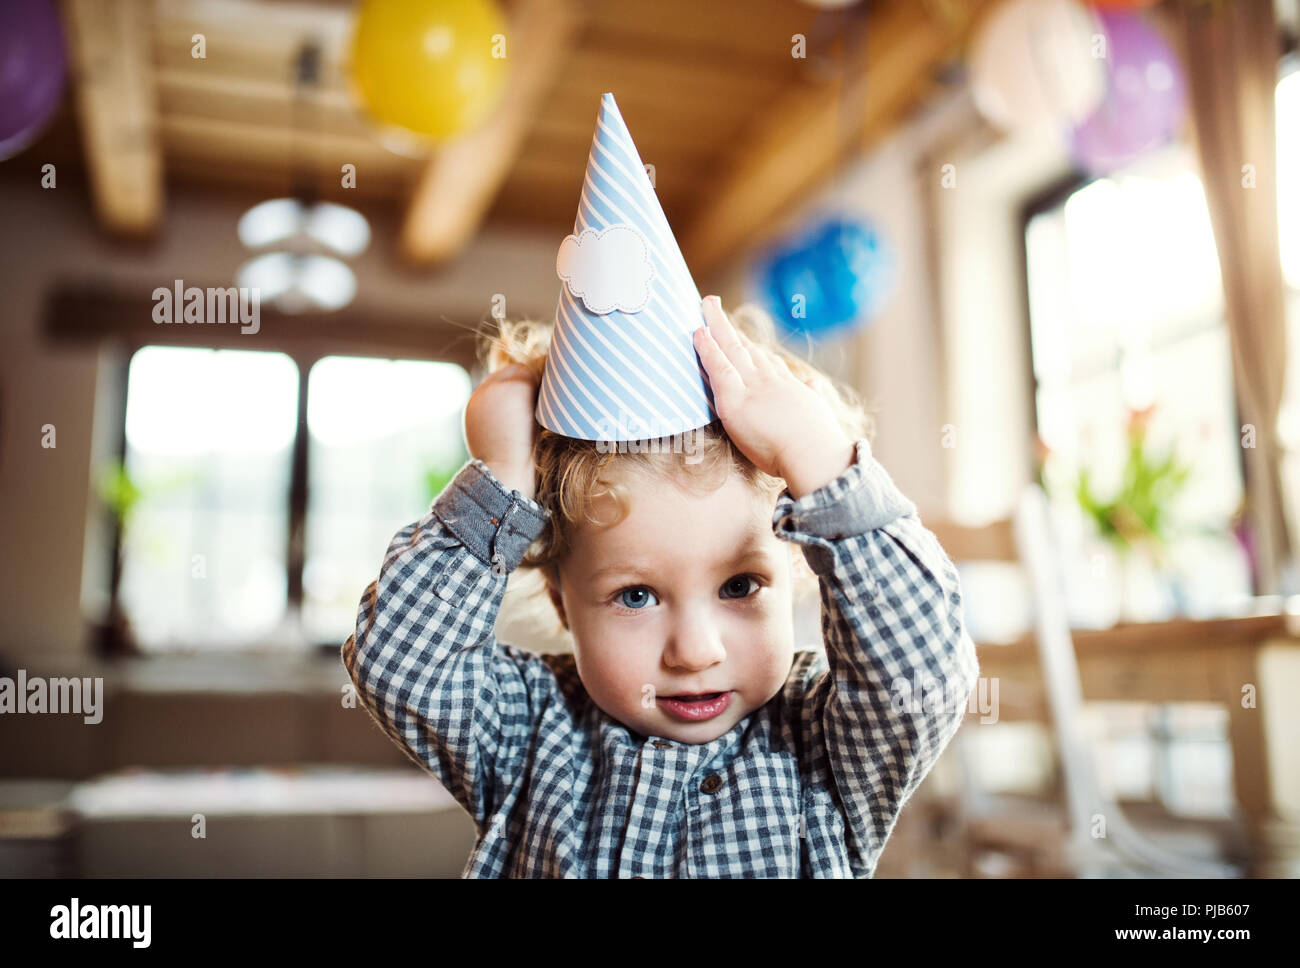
(608,270)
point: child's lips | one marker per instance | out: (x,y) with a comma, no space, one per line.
(695,708)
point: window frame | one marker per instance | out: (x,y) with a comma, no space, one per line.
(1052,197)
(304,359)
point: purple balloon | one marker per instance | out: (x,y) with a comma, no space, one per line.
(1145,100)
(32,70)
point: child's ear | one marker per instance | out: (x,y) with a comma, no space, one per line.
(553,590)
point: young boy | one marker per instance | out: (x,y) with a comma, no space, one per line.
(685,737)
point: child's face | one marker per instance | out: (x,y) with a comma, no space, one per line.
(687,594)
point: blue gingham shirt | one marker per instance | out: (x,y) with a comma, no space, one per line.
(809,785)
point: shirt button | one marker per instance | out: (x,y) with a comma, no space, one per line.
(711,784)
(661,744)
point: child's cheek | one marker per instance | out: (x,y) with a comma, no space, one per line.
(771,624)
(772,649)
(612,664)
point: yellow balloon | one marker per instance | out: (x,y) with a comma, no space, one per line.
(428,66)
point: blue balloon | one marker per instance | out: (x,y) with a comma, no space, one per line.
(832,279)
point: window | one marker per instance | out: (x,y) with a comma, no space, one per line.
(210,442)
(384,439)
(1288,181)
(1288,204)
(1127,311)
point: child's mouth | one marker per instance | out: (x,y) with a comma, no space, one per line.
(697,707)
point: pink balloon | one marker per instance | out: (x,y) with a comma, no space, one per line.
(1145,102)
(1032,65)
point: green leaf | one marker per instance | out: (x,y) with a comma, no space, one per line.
(117,490)
(436,479)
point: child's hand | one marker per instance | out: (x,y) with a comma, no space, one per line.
(780,423)
(500,426)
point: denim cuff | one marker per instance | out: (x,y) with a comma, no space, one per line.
(861,499)
(496,524)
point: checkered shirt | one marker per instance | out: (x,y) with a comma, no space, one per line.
(809,785)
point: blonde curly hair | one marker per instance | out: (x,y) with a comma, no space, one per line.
(569,472)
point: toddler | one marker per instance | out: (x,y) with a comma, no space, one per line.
(685,736)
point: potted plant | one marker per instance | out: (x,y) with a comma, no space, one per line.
(1137,521)
(120,495)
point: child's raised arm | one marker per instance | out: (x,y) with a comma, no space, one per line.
(424,658)
(900,666)
(891,601)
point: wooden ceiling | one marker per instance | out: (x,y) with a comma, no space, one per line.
(737,128)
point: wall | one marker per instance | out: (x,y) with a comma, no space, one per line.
(981,278)
(972,305)
(947,349)
(50,237)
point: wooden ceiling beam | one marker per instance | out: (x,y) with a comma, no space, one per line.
(112,54)
(675,78)
(225,142)
(798,143)
(253,26)
(459,184)
(249,181)
(98,312)
(204,93)
(718,29)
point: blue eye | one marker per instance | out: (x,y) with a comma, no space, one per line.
(740,585)
(635,598)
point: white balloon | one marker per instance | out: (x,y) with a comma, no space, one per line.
(1038,63)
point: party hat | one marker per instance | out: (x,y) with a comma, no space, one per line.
(622,363)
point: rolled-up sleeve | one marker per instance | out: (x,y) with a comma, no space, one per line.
(424,658)
(900,665)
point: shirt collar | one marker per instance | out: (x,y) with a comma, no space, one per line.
(616,737)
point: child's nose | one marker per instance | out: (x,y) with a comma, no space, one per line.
(694,643)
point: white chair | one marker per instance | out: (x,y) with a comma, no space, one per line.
(1123,849)
(1091,835)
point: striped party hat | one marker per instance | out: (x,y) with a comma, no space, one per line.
(622,364)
